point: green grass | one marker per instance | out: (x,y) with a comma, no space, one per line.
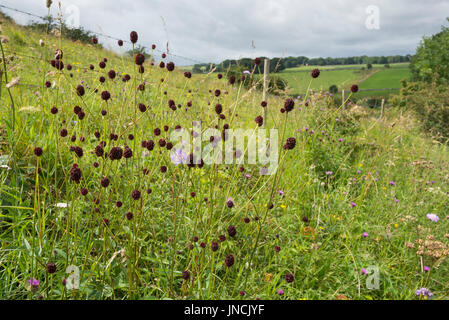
(313,222)
(345,76)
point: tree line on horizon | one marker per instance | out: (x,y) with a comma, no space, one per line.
(279,64)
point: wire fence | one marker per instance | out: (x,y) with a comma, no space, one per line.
(100,34)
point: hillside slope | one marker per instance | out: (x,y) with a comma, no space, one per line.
(84,188)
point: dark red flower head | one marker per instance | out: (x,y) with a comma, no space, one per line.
(112,74)
(80,90)
(289,277)
(315,73)
(354,88)
(105,95)
(229,260)
(75,173)
(133,36)
(51,268)
(290,144)
(136,195)
(232,231)
(120,43)
(186,275)
(170,66)
(38,151)
(140,59)
(289,104)
(116,153)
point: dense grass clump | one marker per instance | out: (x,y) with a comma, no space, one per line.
(93,188)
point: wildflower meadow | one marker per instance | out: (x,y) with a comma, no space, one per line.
(130,177)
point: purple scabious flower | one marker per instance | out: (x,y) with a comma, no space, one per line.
(353,204)
(433,217)
(178,157)
(424,292)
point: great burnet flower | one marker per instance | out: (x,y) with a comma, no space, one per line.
(259,121)
(232,231)
(140,59)
(229,260)
(133,36)
(75,173)
(289,104)
(116,153)
(170,66)
(218,108)
(230,202)
(38,151)
(290,144)
(80,90)
(136,195)
(105,95)
(315,73)
(51,268)
(185,275)
(289,277)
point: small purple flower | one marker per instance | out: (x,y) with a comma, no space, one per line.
(281,193)
(424,292)
(426,269)
(247,176)
(363,271)
(392,183)
(340,140)
(280,292)
(178,157)
(353,204)
(365,235)
(433,217)
(33,283)
(329,173)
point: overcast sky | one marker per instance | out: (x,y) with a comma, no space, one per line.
(212,30)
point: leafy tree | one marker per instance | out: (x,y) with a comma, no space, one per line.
(431,61)
(333,89)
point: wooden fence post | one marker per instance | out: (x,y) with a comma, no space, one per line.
(266,72)
(382,109)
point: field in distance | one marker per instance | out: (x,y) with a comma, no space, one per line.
(376,80)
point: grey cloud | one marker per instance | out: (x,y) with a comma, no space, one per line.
(211,31)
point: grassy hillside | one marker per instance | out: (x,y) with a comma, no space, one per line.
(351,197)
(344,76)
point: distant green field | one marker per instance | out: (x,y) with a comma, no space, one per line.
(344,76)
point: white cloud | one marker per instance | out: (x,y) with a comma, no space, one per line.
(215,30)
